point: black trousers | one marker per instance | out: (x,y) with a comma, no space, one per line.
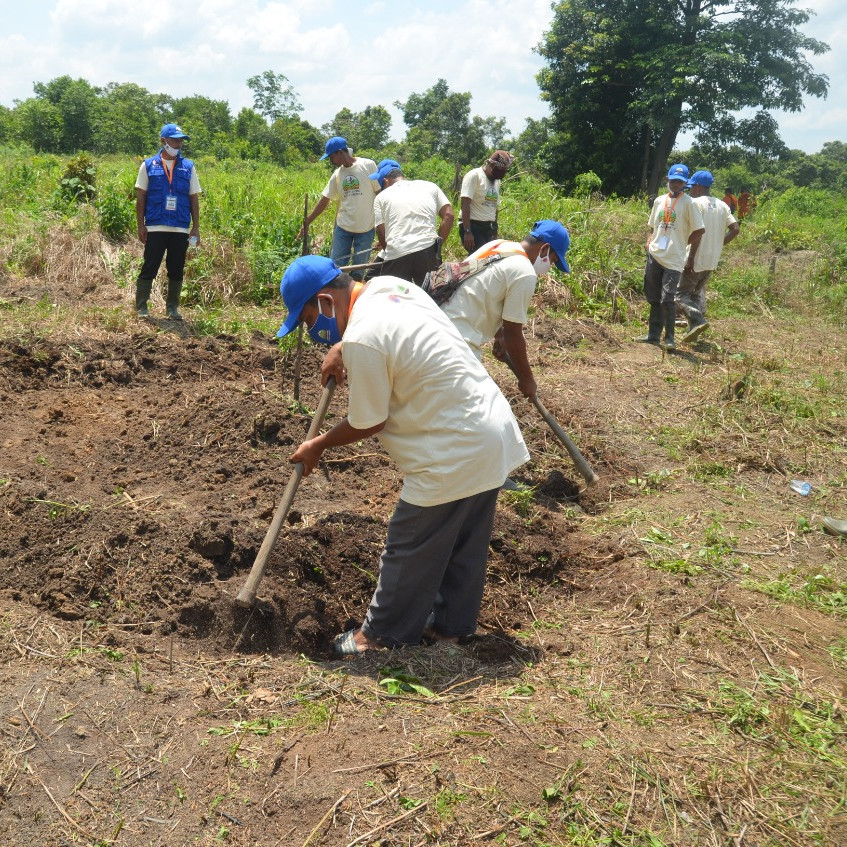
(175,245)
(413,266)
(482,231)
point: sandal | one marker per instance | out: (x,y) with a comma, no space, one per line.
(345,644)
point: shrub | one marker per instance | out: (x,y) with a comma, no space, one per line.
(116,211)
(78,181)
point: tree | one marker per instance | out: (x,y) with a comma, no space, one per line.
(78,104)
(440,124)
(39,124)
(366,130)
(624,77)
(273,96)
(130,119)
(207,121)
(373,126)
(494,131)
(6,124)
(531,145)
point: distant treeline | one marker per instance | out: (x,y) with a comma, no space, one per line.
(68,115)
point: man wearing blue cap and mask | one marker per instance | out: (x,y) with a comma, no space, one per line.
(492,305)
(405,213)
(416,385)
(167,211)
(350,188)
(703,257)
(675,222)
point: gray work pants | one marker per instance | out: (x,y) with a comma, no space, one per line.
(433,563)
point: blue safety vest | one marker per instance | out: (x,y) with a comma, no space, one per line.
(158,189)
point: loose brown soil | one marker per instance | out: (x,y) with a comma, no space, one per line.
(140,469)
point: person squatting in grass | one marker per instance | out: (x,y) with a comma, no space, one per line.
(167,211)
(415,384)
(349,186)
(703,256)
(405,214)
(675,223)
(492,305)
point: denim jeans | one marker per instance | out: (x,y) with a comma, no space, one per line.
(351,248)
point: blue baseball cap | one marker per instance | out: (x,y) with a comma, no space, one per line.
(334,144)
(302,280)
(678,172)
(383,169)
(703,178)
(173,131)
(554,234)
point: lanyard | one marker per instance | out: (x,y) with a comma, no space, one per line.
(358,288)
(670,212)
(169,172)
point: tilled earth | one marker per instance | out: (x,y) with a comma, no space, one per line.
(142,473)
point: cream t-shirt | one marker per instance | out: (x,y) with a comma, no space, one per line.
(409,210)
(716,218)
(484,194)
(447,426)
(500,292)
(355,195)
(673,220)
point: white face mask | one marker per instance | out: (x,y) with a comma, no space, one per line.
(171,151)
(542,264)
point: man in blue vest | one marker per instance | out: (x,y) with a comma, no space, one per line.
(167,210)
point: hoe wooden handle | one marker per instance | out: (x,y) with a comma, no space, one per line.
(247,595)
(585,470)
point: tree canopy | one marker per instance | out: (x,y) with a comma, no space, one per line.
(440,124)
(365,130)
(624,77)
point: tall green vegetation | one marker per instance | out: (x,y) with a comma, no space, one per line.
(251,212)
(623,79)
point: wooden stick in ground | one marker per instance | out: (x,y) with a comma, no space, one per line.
(298,357)
(304,251)
(585,470)
(247,595)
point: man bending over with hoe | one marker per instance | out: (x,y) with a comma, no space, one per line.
(492,304)
(416,385)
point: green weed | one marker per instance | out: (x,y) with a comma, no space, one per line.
(819,591)
(397,681)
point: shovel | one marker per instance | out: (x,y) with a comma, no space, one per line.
(247,595)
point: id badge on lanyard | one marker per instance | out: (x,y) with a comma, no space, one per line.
(170,203)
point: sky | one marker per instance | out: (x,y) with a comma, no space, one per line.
(339,54)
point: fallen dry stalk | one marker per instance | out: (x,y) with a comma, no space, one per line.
(388,824)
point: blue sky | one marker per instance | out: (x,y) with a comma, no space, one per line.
(338,54)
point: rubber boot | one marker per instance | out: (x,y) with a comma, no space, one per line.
(142,295)
(174,290)
(697,323)
(669,317)
(654,326)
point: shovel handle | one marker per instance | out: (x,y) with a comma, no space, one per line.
(247,595)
